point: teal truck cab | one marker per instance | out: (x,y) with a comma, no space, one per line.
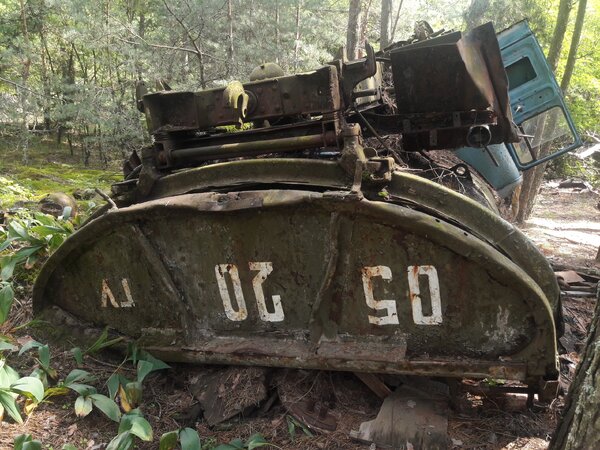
(538,109)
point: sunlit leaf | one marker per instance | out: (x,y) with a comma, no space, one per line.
(8,375)
(29,385)
(78,376)
(122,441)
(30,406)
(17,230)
(137,425)
(83,406)
(82,389)
(107,406)
(46,230)
(55,391)
(8,402)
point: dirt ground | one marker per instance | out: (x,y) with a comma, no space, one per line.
(565,227)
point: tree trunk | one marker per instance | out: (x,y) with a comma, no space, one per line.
(532,179)
(562,20)
(386,9)
(229,38)
(393,34)
(353,31)
(297,42)
(277,33)
(25,72)
(364,25)
(566,79)
(579,427)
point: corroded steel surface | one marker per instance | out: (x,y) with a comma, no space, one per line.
(304,279)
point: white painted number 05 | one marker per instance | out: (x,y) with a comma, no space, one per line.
(241,312)
(414,288)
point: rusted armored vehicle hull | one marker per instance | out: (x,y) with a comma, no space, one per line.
(297,244)
(323,277)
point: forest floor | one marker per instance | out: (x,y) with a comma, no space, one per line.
(564,226)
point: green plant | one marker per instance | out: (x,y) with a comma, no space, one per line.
(7,296)
(23,241)
(88,396)
(187,438)
(255,441)
(132,424)
(130,392)
(12,386)
(292,424)
(26,442)
(44,372)
(101,343)
(29,236)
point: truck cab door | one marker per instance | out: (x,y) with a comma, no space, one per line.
(538,107)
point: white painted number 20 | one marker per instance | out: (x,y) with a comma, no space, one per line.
(414,288)
(241,311)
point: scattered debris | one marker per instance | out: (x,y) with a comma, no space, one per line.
(57,204)
(226,392)
(409,417)
(310,404)
(374,383)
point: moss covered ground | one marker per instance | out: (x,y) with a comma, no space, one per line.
(50,167)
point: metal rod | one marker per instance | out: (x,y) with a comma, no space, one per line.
(236,150)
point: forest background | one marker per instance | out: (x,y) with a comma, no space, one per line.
(68,71)
(68,68)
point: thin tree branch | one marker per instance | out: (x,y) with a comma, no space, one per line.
(393,35)
(25,88)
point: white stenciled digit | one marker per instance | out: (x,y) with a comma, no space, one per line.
(391,318)
(415,295)
(129,303)
(108,296)
(264,269)
(232,270)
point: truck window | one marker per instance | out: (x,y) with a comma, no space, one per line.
(549,128)
(520,72)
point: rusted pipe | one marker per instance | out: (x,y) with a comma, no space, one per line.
(236,150)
